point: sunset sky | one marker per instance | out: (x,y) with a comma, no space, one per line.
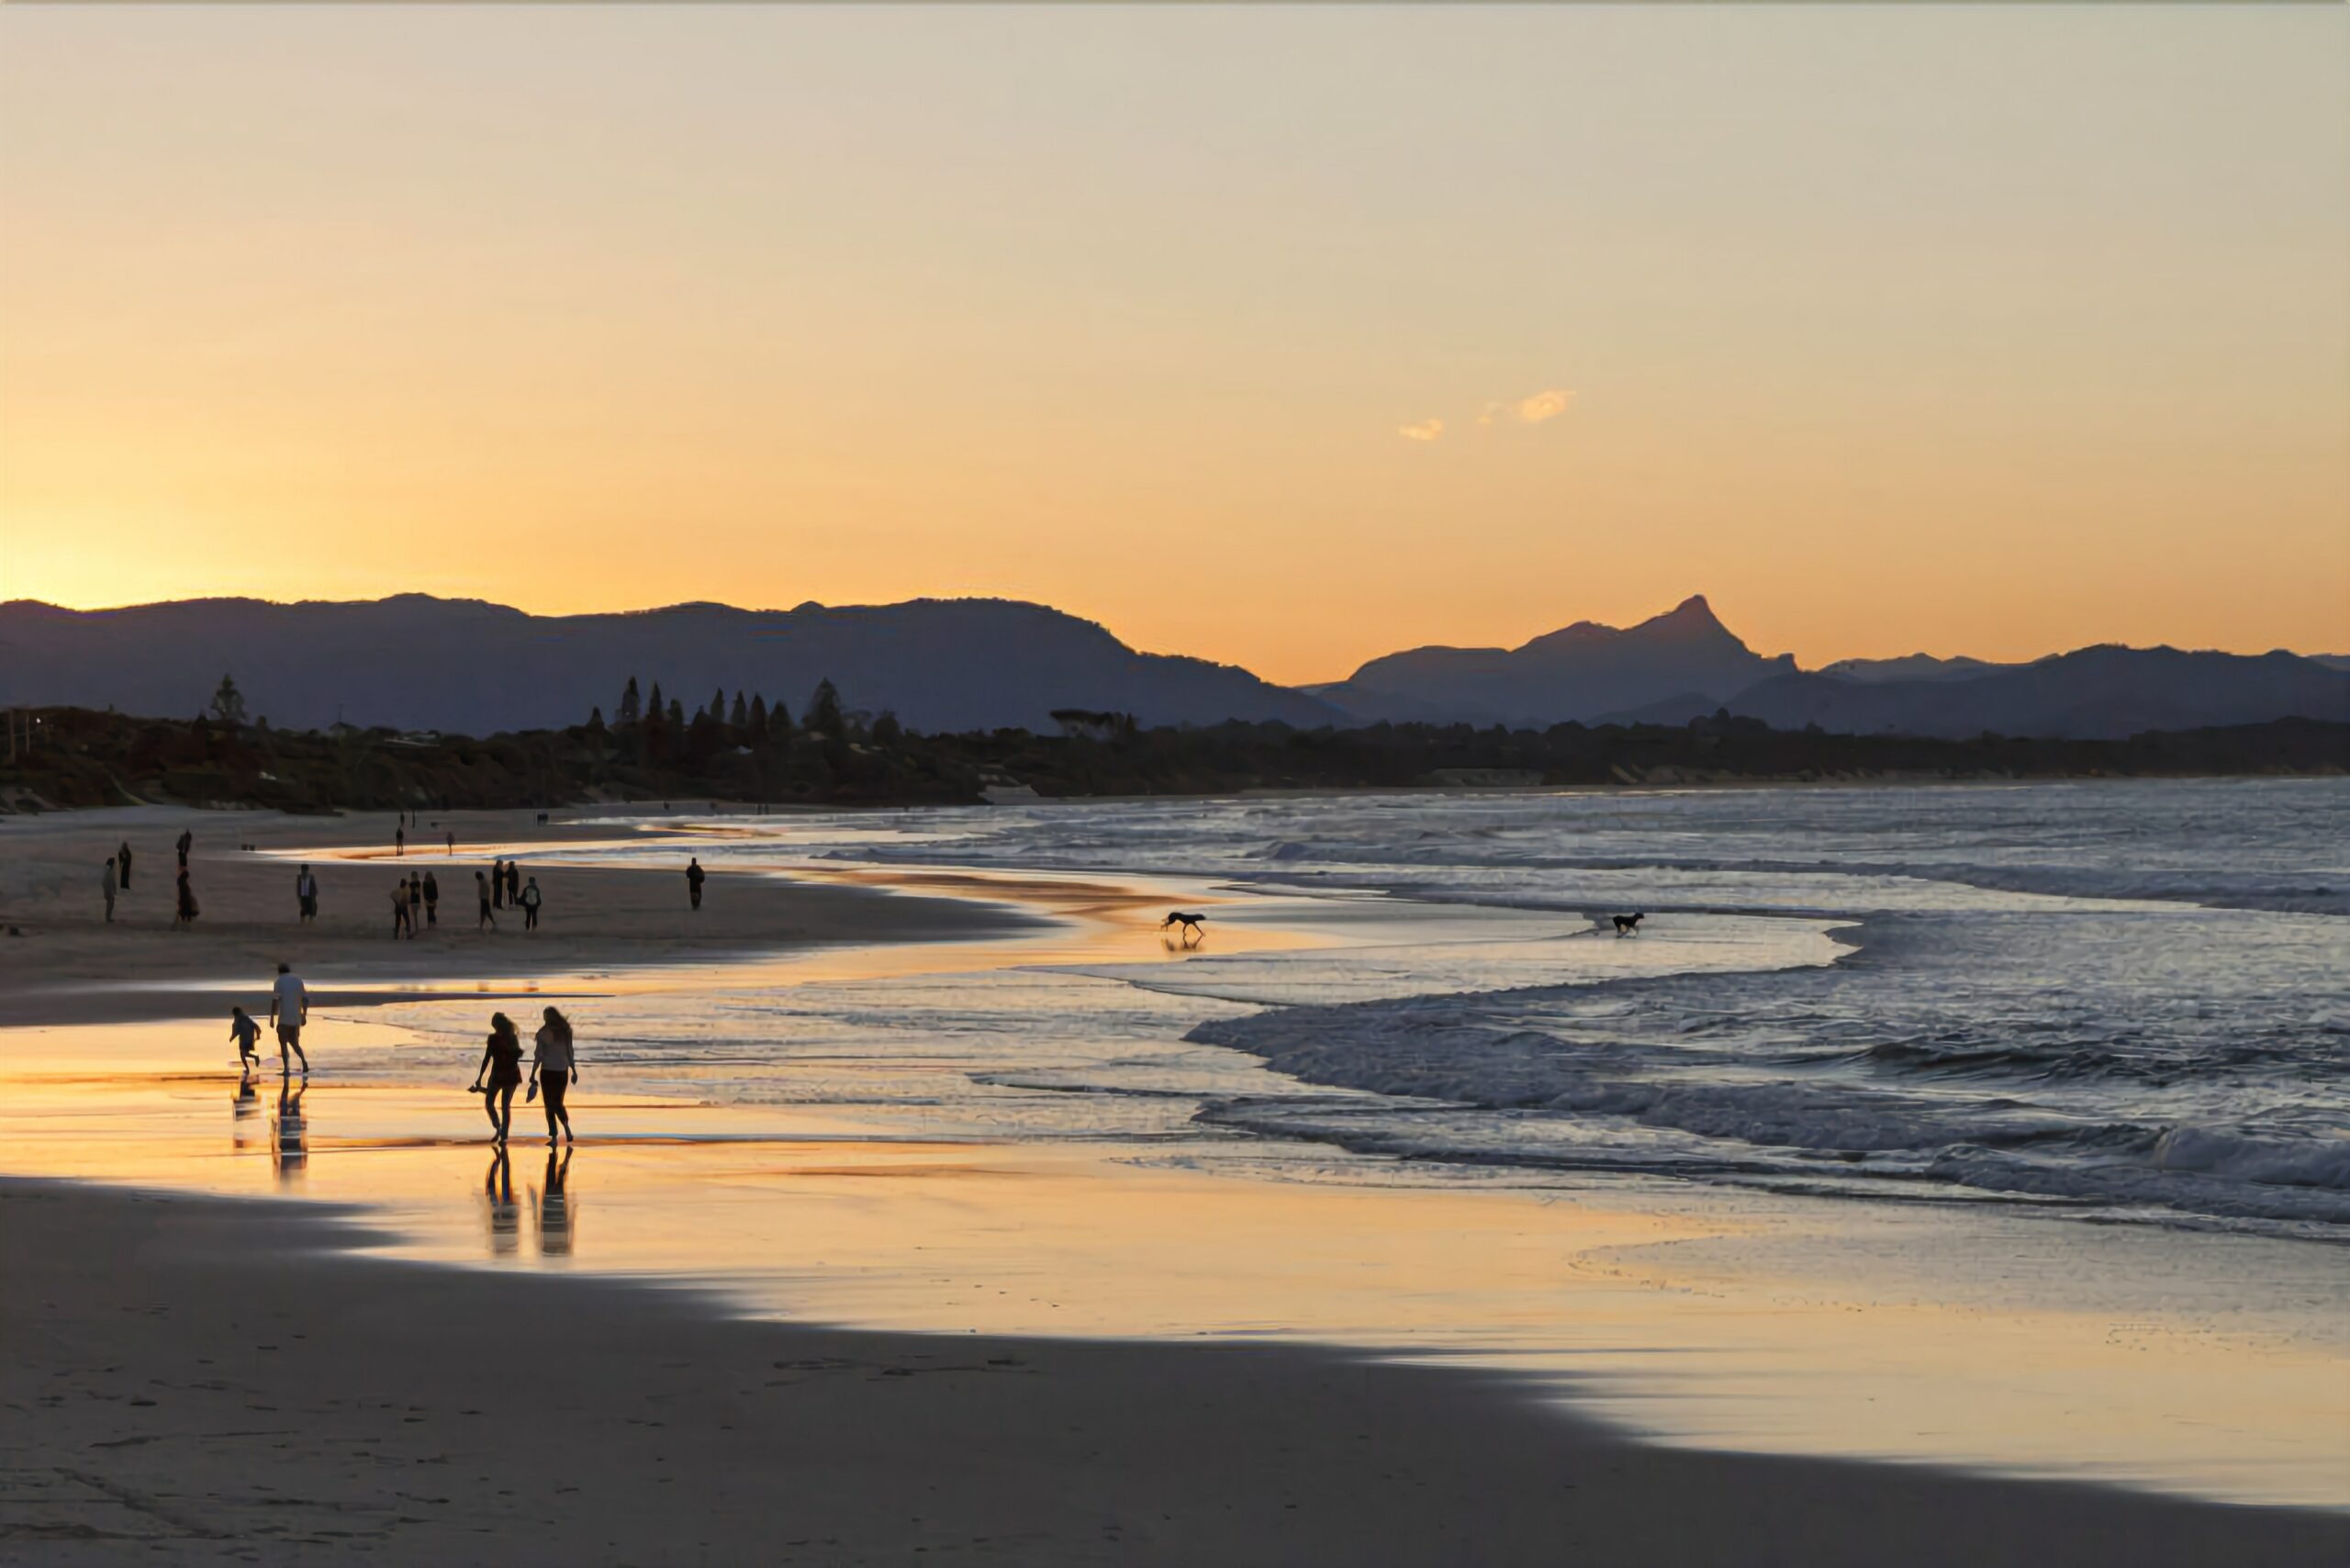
(1281,337)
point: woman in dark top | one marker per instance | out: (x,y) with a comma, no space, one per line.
(501,1062)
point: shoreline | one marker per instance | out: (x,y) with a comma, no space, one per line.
(1039,910)
(66,964)
(201,1374)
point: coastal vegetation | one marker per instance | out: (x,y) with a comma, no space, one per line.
(748,747)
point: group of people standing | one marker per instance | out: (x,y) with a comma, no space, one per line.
(115,882)
(501,885)
(417,901)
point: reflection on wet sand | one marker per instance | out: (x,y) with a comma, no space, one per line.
(554,1203)
(244,1109)
(505,1216)
(289,1139)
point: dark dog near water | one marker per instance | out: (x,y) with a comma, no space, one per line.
(1190,923)
(1629,924)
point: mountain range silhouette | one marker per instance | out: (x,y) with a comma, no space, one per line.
(417,661)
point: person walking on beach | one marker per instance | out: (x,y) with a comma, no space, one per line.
(432,899)
(514,883)
(498,884)
(415,902)
(554,1069)
(289,1009)
(122,859)
(108,886)
(187,838)
(185,914)
(399,909)
(530,899)
(451,839)
(481,890)
(399,839)
(501,1060)
(247,1033)
(695,876)
(306,894)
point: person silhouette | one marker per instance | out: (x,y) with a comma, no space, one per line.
(399,909)
(289,1009)
(186,841)
(514,882)
(186,912)
(122,862)
(481,891)
(306,894)
(554,1068)
(529,897)
(415,902)
(432,899)
(108,886)
(695,876)
(399,840)
(247,1033)
(501,1061)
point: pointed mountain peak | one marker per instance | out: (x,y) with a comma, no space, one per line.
(1691,611)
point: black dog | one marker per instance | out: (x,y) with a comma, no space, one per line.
(1189,923)
(1629,924)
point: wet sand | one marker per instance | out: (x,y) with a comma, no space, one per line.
(66,964)
(192,1377)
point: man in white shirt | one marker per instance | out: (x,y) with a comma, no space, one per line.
(289,1009)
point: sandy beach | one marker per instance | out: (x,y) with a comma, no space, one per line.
(67,963)
(402,1363)
(192,1379)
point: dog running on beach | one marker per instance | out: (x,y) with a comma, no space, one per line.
(1629,924)
(1189,923)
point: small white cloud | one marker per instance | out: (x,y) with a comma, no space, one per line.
(1547,404)
(1489,412)
(1427,429)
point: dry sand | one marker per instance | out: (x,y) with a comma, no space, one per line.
(67,965)
(190,1379)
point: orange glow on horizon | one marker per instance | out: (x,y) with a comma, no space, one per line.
(1398,346)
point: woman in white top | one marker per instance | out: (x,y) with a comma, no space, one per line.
(552,1068)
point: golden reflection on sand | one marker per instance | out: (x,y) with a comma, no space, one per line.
(858,1218)
(815,1216)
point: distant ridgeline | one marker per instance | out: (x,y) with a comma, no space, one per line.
(745,748)
(957,666)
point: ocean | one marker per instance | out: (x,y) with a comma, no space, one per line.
(2103,1002)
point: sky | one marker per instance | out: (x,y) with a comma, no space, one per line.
(1282,337)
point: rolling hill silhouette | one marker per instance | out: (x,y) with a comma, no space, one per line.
(415,662)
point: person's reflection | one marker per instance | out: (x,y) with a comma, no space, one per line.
(289,1134)
(504,1218)
(554,1207)
(245,1108)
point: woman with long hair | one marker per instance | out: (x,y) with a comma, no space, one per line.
(553,1069)
(501,1060)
